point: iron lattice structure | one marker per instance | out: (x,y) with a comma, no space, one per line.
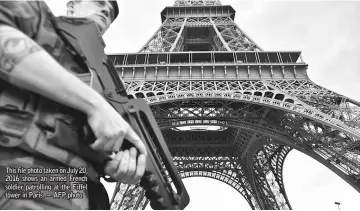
(231,111)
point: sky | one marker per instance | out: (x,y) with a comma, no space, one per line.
(327,33)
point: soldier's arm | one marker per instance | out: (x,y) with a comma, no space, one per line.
(25,64)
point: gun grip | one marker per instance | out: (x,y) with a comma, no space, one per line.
(90,138)
(88,135)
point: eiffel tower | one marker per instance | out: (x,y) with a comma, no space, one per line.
(231,111)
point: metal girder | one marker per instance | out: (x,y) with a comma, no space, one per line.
(186,3)
(207,109)
(298,88)
(225,34)
(265,159)
(329,145)
(128,197)
(198,22)
(221,169)
(267,165)
(237,181)
(266,155)
(302,132)
(263,92)
(223,42)
(232,36)
(332,147)
(164,38)
(179,39)
(255,136)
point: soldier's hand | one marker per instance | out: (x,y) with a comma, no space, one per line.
(110,130)
(125,167)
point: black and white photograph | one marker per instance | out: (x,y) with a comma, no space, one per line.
(180,104)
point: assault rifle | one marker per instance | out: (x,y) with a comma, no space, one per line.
(105,79)
(155,180)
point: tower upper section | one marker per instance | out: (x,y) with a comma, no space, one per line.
(198,39)
(197,8)
(194,3)
(199,25)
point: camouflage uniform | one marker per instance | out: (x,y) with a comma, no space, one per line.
(33,18)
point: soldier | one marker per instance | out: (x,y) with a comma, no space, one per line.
(43,108)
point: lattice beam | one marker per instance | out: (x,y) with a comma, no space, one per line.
(266,166)
(176,46)
(274,98)
(164,38)
(194,3)
(267,172)
(232,36)
(223,42)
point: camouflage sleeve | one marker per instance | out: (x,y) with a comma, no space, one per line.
(22,15)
